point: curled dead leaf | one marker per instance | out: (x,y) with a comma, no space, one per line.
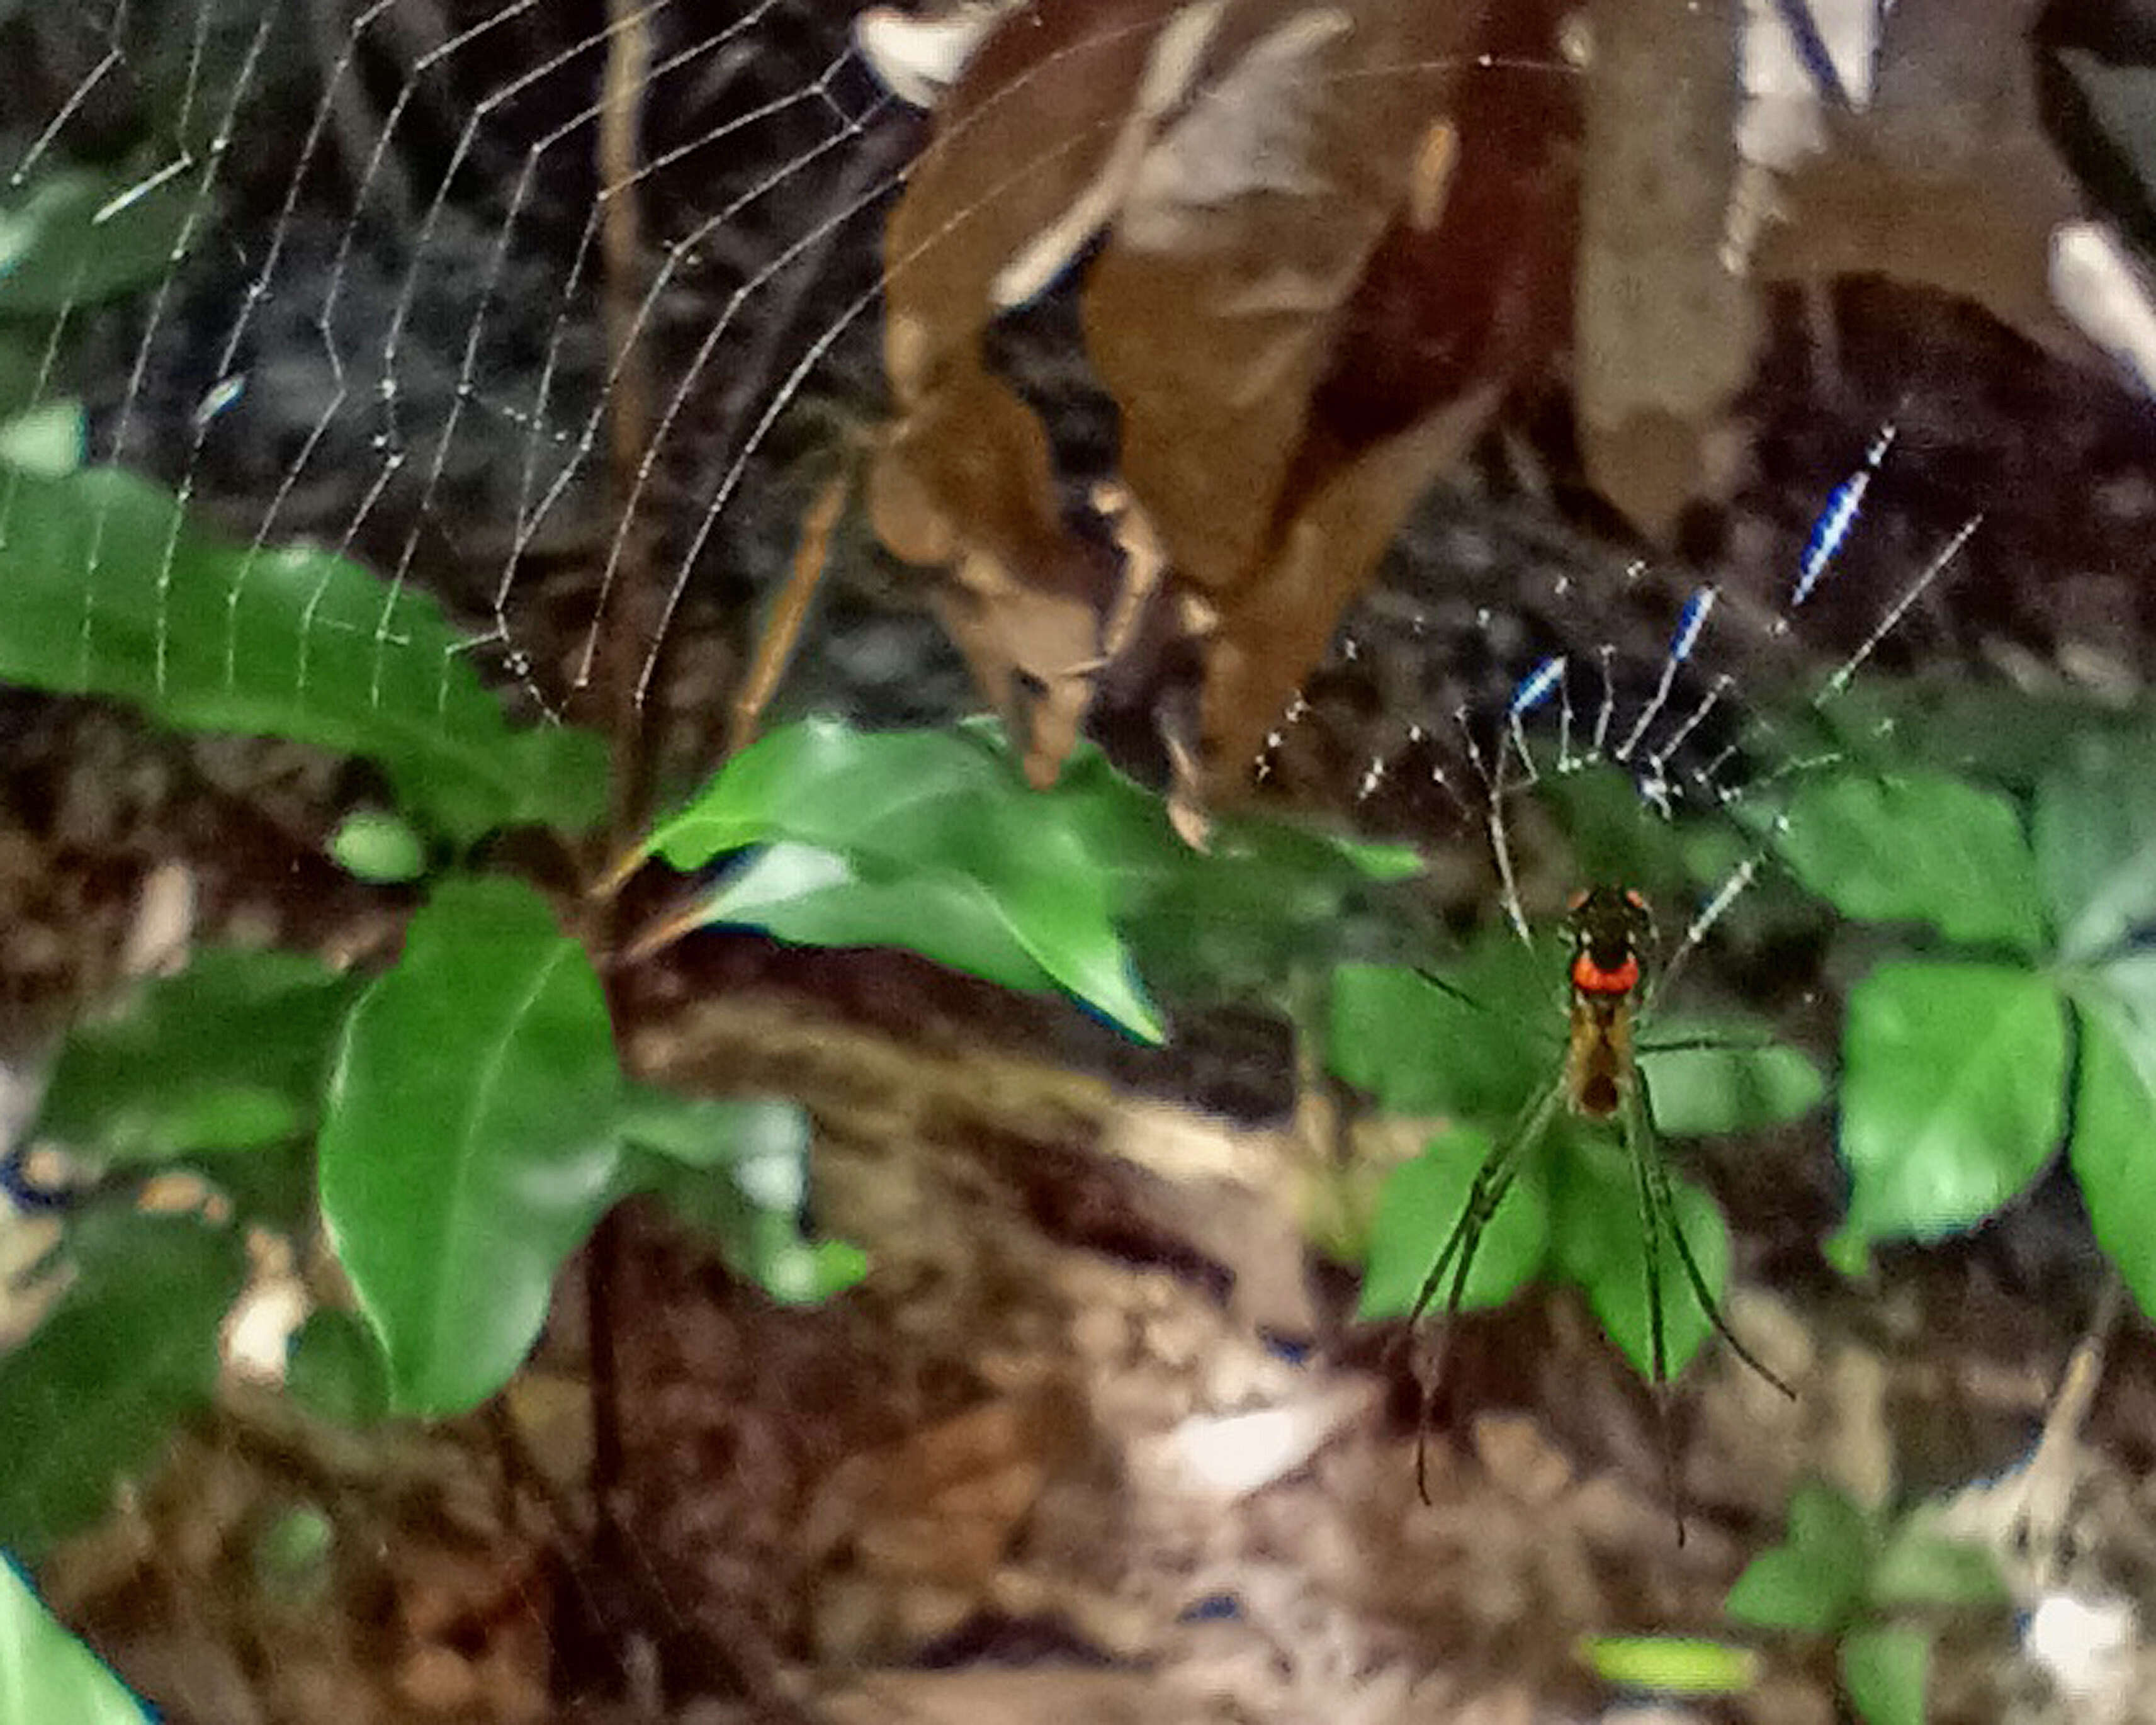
(1324,238)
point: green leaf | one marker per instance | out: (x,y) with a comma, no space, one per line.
(48,440)
(75,236)
(2095,834)
(1478,1047)
(1740,1084)
(816,898)
(736,1171)
(374,845)
(470,1141)
(1672,1665)
(1813,1582)
(1952,1097)
(941,809)
(2113,1152)
(1919,1566)
(1261,895)
(46,1675)
(1883,1672)
(111,592)
(228,1055)
(1920,849)
(1600,1247)
(1417,1208)
(128,1351)
(334,1368)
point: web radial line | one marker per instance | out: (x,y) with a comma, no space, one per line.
(723,494)
(1534,689)
(1798,766)
(528,525)
(198,206)
(111,61)
(370,173)
(10,476)
(529,79)
(593,217)
(499,253)
(258,289)
(678,400)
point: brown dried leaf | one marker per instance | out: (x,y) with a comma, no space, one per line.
(1667,331)
(1948,181)
(1330,268)
(965,476)
(1334,231)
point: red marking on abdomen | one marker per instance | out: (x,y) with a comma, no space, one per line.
(1591,978)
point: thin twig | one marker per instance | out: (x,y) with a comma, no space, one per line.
(628,401)
(629,431)
(789,613)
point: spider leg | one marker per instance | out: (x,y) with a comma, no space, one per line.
(1710,1044)
(1654,1215)
(1493,1180)
(1648,1152)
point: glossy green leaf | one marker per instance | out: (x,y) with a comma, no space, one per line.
(1421,1201)
(130,1350)
(1599,1245)
(74,236)
(735,1170)
(1952,1097)
(374,845)
(470,1141)
(1883,1673)
(109,591)
(1261,895)
(1738,1081)
(1814,1581)
(1477,1047)
(2095,837)
(1918,849)
(945,809)
(2113,1152)
(48,440)
(229,1055)
(47,1677)
(334,1368)
(1672,1665)
(818,898)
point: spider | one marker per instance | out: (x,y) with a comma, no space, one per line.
(1598,1080)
